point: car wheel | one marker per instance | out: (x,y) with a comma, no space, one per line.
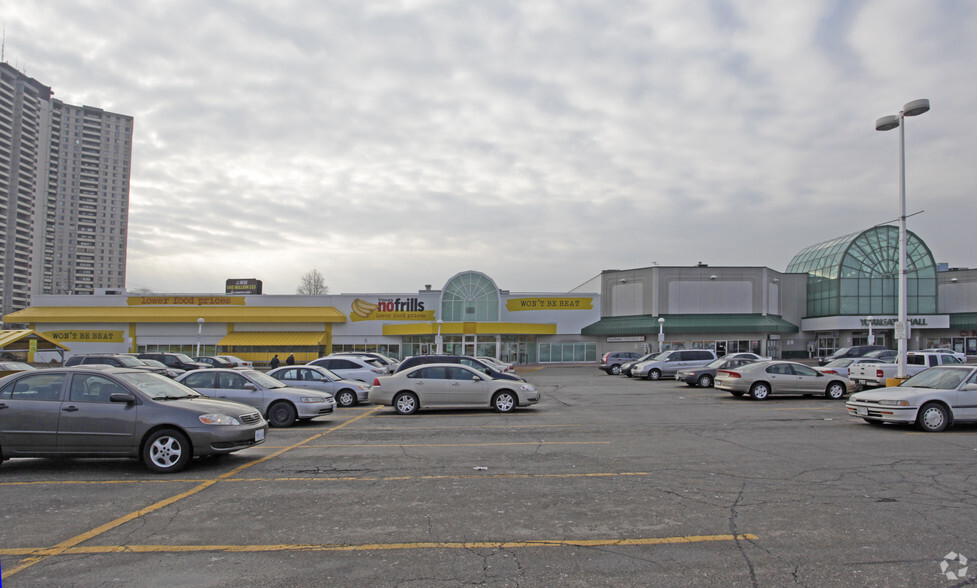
(705,381)
(616,370)
(760,391)
(405,403)
(504,401)
(166,451)
(346,398)
(281,414)
(932,418)
(835,391)
(654,375)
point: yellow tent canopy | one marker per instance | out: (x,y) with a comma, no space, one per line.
(22,343)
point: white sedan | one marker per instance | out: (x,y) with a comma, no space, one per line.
(449,385)
(933,399)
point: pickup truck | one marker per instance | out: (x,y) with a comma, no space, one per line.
(875,374)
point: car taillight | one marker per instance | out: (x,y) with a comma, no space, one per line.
(730,374)
(376,382)
(879,374)
(829,372)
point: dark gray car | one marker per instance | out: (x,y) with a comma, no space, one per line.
(119,412)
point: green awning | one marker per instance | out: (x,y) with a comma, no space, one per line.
(965,321)
(691,323)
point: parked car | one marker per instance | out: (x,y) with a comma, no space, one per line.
(854,351)
(377,357)
(462,359)
(869,375)
(933,399)
(349,367)
(114,360)
(502,366)
(180,361)
(346,392)
(843,365)
(170,372)
(281,404)
(611,362)
(119,412)
(665,364)
(626,367)
(236,361)
(214,361)
(12,367)
(762,378)
(885,355)
(704,376)
(449,385)
(961,356)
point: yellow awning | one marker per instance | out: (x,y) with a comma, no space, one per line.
(274,339)
(469,329)
(20,339)
(176,314)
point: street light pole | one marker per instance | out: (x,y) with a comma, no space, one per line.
(661,334)
(887,123)
(871,337)
(200,330)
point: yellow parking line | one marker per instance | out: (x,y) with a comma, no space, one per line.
(330,479)
(97,549)
(60,548)
(465,444)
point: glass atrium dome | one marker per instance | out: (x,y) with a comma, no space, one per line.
(858,274)
(470,296)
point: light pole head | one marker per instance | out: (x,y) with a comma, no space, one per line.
(200,320)
(661,321)
(887,123)
(916,107)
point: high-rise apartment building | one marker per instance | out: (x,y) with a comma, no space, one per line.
(64,194)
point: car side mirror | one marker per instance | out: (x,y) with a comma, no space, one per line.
(476,379)
(122,397)
(250,386)
(970,388)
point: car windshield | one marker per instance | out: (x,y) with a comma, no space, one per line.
(128,361)
(841,351)
(937,378)
(183,357)
(158,387)
(329,374)
(716,363)
(839,362)
(263,380)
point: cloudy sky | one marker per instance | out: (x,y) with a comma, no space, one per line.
(394,143)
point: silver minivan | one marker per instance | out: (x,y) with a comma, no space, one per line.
(667,363)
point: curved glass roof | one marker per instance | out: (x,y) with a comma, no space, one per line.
(858,273)
(470,296)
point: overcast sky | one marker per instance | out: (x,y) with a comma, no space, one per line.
(393,144)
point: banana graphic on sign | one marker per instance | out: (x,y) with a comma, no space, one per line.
(362,308)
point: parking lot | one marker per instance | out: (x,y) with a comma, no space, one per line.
(607,481)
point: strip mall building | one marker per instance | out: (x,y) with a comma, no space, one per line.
(832,294)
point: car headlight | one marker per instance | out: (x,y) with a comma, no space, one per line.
(527,388)
(218,419)
(313,399)
(893,402)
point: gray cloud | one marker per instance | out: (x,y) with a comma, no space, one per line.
(394,144)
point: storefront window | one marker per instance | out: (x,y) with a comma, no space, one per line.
(470,297)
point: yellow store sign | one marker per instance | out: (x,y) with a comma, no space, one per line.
(408,309)
(575,303)
(86,336)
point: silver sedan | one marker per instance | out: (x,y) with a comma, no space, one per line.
(449,385)
(933,399)
(281,404)
(763,378)
(346,392)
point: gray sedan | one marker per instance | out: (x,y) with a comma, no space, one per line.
(119,412)
(704,376)
(449,385)
(763,378)
(934,399)
(346,392)
(280,404)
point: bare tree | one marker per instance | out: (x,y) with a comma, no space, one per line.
(312,283)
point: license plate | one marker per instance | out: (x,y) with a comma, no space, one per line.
(860,411)
(259,435)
